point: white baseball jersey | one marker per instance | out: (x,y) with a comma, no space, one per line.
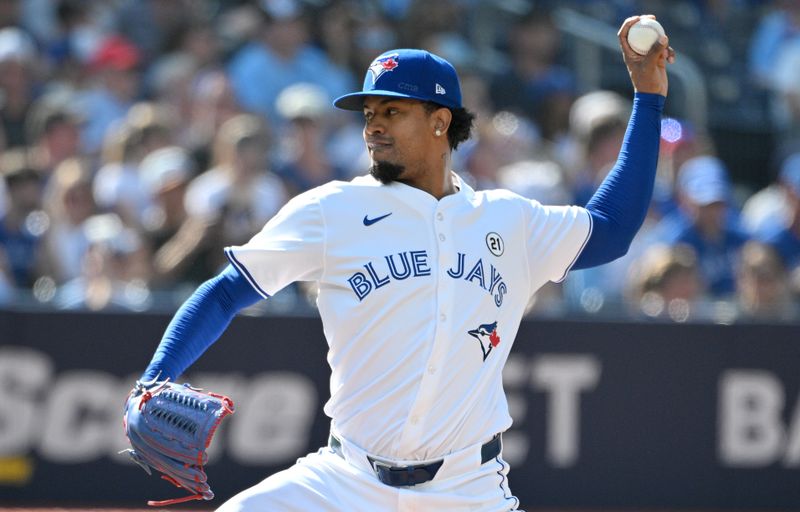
(420,301)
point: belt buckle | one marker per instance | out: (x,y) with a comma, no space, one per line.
(378,464)
(389,475)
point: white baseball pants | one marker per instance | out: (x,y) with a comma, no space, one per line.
(324,481)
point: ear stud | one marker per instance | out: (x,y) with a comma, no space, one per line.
(438,132)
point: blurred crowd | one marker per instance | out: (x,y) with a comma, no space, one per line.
(140,137)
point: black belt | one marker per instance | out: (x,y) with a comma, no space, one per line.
(405,476)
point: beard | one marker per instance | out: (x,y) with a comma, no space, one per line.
(386,172)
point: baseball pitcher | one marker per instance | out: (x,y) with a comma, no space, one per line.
(422,282)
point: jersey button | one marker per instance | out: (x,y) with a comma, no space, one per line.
(431,370)
(442,317)
(414,420)
(440,216)
(441,237)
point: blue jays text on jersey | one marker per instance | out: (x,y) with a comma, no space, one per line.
(405,264)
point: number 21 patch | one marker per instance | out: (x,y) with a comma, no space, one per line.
(495,243)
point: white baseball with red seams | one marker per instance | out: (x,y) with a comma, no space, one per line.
(643,35)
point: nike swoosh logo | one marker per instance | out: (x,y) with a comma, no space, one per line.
(369,222)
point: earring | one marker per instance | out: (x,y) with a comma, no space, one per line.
(438,132)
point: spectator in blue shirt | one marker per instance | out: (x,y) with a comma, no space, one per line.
(115,70)
(707,226)
(279,57)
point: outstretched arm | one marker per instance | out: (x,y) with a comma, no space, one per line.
(199,322)
(620,204)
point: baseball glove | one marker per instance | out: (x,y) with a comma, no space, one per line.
(169,427)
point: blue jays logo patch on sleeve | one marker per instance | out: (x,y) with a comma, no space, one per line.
(487,337)
(382,65)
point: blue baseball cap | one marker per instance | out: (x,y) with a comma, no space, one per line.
(704,180)
(406,73)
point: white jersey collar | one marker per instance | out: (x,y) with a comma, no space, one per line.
(463,190)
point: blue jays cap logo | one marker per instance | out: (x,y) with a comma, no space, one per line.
(407,73)
(487,336)
(383,64)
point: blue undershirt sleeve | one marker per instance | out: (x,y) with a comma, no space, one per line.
(620,204)
(199,322)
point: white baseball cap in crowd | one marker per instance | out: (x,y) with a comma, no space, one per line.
(303,100)
(595,108)
(704,180)
(16,45)
(107,229)
(165,168)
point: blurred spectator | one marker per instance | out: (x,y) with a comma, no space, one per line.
(714,34)
(117,185)
(707,226)
(68,203)
(783,234)
(170,81)
(763,285)
(79,30)
(536,86)
(199,41)
(787,87)
(665,282)
(303,162)
(181,244)
(237,89)
(114,69)
(212,103)
(173,78)
(681,140)
(238,25)
(18,87)
(151,25)
(155,123)
(334,29)
(39,18)
(53,129)
(472,71)
(774,55)
(779,26)
(239,193)
(542,180)
(765,209)
(420,18)
(373,34)
(23,224)
(597,124)
(770,207)
(281,56)
(502,140)
(113,269)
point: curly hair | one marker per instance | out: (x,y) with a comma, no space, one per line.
(460,126)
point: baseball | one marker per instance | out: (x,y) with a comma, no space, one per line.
(643,35)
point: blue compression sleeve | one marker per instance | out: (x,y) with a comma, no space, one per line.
(620,204)
(199,322)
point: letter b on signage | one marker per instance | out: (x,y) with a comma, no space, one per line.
(751,426)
